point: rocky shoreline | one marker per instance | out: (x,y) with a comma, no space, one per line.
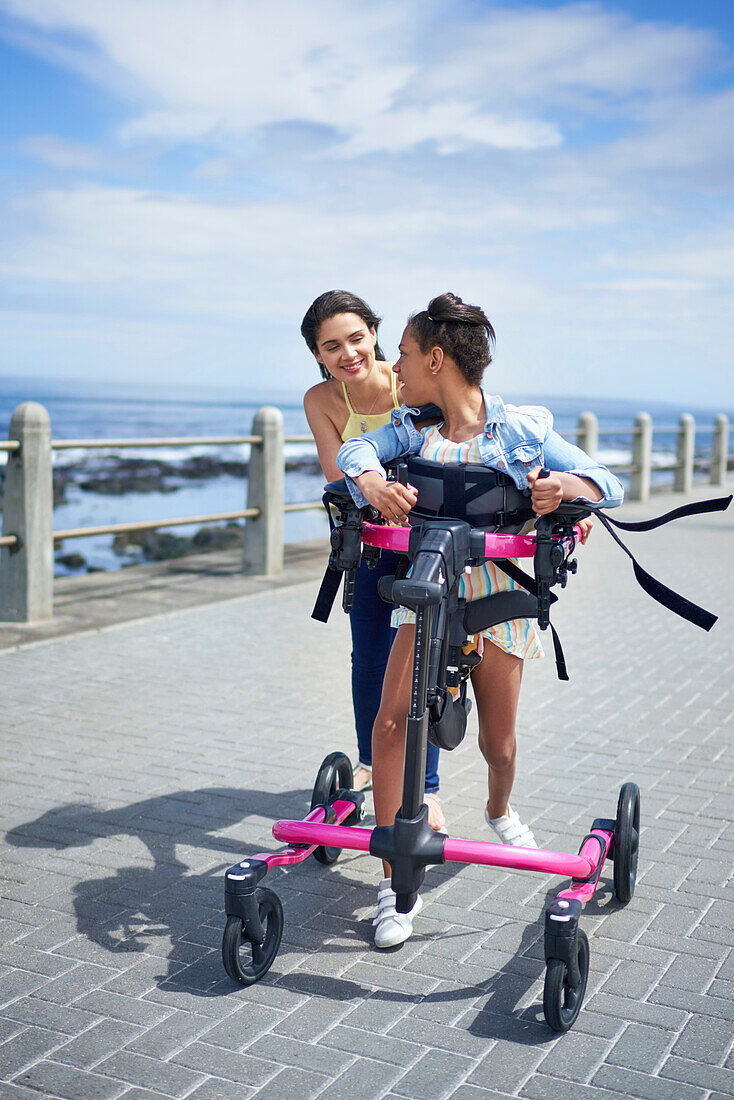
(114,475)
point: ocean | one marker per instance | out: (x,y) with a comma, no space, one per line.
(84,410)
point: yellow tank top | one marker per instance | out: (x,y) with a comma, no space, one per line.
(359,423)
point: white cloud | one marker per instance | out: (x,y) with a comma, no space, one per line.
(213,70)
(547,162)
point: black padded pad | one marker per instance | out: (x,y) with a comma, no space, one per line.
(499,608)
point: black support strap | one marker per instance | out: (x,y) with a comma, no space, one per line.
(523,605)
(676,603)
(659,591)
(327,594)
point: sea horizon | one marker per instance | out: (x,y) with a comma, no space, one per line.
(81,409)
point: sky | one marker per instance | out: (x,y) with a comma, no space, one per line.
(180,178)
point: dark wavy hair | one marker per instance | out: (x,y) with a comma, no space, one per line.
(329,305)
(462,331)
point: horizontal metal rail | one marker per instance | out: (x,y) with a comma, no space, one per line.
(170,441)
(303,506)
(10,445)
(152,524)
(8,540)
(173,441)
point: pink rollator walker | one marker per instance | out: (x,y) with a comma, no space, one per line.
(438,549)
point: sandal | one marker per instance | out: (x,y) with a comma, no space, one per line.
(436,818)
(362,780)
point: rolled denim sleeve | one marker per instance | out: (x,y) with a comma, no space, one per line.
(562,455)
(368,452)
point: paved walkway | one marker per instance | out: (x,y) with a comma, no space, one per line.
(139,762)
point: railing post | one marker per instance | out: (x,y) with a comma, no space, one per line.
(587,435)
(641,458)
(27,568)
(263,542)
(683,482)
(720,450)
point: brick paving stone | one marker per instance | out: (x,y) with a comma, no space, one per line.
(25,1048)
(365,1079)
(474,1092)
(242,1068)
(576,1057)
(137,1069)
(293,1082)
(434,1076)
(505,1066)
(387,1048)
(640,1048)
(541,1087)
(97,1043)
(644,1086)
(323,1057)
(65,1018)
(215,1089)
(66,1083)
(694,1073)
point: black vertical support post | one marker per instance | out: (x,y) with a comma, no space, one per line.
(416,740)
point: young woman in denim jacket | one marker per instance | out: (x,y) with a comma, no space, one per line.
(341,332)
(443,353)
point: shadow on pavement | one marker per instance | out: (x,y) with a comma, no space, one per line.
(173,910)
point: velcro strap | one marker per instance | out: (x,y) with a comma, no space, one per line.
(327,594)
(454,489)
(699,507)
(660,592)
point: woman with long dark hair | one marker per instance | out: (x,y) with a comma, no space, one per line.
(358,394)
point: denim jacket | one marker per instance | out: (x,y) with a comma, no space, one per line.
(516,438)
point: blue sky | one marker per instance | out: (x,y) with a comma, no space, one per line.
(179,179)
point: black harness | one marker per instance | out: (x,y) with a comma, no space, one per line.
(458,490)
(489,499)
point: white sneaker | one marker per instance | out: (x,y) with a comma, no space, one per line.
(391,927)
(510,829)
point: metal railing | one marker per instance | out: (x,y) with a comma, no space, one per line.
(26,563)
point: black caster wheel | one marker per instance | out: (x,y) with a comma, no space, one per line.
(626,841)
(248,962)
(334,774)
(561,1002)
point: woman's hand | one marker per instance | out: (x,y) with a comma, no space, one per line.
(392,499)
(546,492)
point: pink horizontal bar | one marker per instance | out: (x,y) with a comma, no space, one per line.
(496,545)
(584,891)
(291,856)
(332,836)
(519,859)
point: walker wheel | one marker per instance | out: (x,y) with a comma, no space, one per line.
(626,841)
(248,962)
(561,1002)
(334,774)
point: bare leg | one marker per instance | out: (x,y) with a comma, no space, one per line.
(388,732)
(496,682)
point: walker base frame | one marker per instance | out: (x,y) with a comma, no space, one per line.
(439,550)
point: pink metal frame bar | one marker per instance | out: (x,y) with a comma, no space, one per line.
(584,869)
(496,545)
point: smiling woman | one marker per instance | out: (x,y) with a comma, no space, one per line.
(358,394)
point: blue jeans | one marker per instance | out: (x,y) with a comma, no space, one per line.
(372,637)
